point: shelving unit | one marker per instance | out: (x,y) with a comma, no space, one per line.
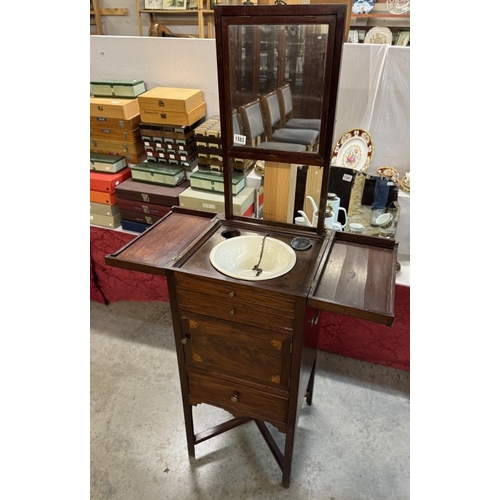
(96,13)
(95,17)
(379,16)
(201,17)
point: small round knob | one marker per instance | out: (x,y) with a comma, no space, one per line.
(231,294)
(234,398)
(231,312)
(184,341)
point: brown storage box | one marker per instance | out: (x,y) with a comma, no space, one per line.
(150,193)
(116,134)
(164,117)
(138,217)
(143,208)
(121,147)
(176,100)
(114,108)
(97,122)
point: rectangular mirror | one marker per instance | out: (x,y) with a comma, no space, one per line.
(278,72)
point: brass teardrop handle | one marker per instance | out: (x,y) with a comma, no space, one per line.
(234,398)
(231,294)
(184,340)
(231,312)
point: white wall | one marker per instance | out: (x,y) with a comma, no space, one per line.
(374,89)
(161,62)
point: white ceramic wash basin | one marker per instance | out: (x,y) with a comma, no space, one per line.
(240,257)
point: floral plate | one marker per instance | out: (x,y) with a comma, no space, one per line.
(398,6)
(353,150)
(379,35)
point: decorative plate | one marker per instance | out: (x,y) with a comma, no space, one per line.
(404,183)
(379,35)
(363,6)
(353,150)
(398,6)
(389,173)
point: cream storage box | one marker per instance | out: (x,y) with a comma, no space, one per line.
(214,181)
(107,163)
(169,175)
(113,221)
(208,201)
(117,88)
(103,209)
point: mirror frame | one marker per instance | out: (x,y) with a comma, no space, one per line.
(332,15)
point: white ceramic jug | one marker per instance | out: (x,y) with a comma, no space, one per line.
(330,221)
(304,219)
(333,202)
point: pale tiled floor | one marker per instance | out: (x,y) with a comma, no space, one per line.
(353,443)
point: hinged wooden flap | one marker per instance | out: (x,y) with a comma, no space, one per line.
(158,248)
(358,278)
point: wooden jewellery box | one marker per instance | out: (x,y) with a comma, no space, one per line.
(110,107)
(172,106)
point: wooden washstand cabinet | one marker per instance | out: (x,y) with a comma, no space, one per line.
(244,345)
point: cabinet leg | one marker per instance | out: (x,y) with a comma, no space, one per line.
(188,420)
(287,459)
(310,385)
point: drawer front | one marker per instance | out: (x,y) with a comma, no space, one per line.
(236,304)
(235,398)
(239,351)
(257,296)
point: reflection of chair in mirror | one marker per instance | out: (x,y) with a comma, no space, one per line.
(286,112)
(236,123)
(255,132)
(271,109)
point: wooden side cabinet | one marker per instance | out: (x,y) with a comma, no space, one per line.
(250,347)
(243,350)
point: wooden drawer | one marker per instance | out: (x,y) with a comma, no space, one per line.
(236,303)
(239,351)
(237,399)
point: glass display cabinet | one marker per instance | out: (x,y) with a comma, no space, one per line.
(247,293)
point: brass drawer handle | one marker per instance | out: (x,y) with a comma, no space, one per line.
(234,398)
(231,294)
(231,312)
(184,340)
